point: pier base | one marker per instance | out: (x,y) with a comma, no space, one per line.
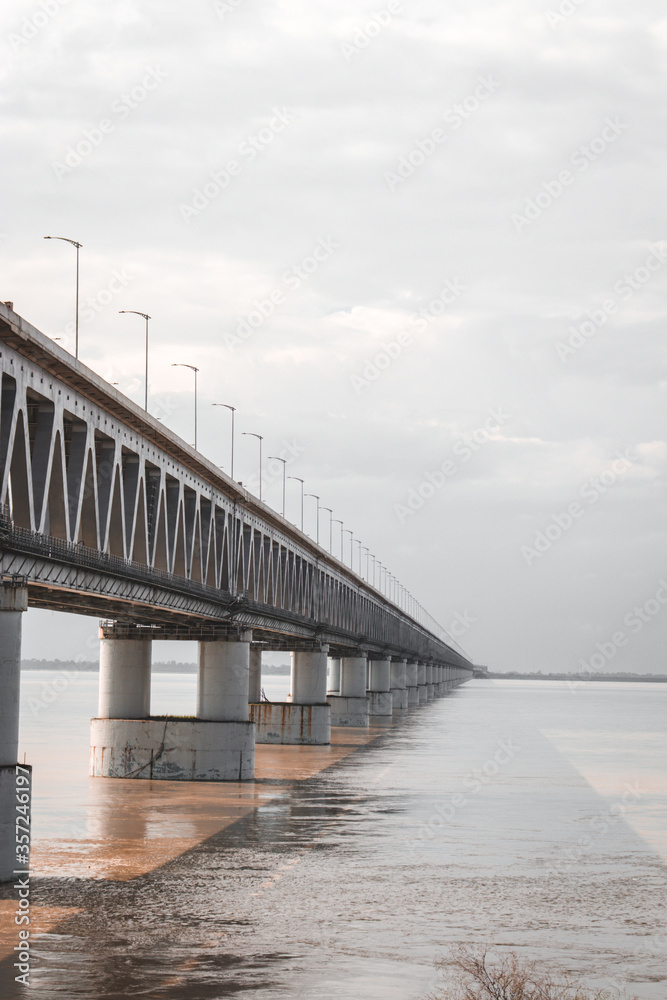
(284,722)
(172,749)
(413,696)
(348,711)
(399,699)
(422,694)
(379,703)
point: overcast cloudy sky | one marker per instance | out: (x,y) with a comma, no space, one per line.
(420,246)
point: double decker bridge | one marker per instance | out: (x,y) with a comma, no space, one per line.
(104,511)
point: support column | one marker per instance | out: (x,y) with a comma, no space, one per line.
(223,680)
(350,708)
(13,602)
(399,691)
(125,679)
(309,677)
(334,675)
(421,681)
(305,719)
(430,689)
(218,745)
(412,682)
(255,675)
(379,694)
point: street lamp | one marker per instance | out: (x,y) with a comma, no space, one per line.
(350,533)
(358,541)
(299,481)
(76,318)
(146,317)
(260,439)
(330,528)
(192,368)
(317,529)
(277,458)
(233,409)
(368,552)
(337,520)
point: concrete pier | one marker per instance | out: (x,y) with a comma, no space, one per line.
(223,680)
(350,708)
(421,682)
(219,745)
(412,682)
(13,602)
(254,676)
(430,688)
(334,675)
(379,693)
(306,719)
(399,691)
(125,679)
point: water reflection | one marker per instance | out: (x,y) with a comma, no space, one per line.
(351,881)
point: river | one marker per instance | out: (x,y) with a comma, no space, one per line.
(522,814)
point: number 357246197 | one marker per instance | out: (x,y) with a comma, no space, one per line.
(22,813)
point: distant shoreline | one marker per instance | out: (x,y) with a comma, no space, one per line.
(631,678)
(283,670)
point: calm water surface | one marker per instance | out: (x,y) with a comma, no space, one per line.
(525,814)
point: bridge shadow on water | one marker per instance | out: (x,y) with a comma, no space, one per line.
(187,929)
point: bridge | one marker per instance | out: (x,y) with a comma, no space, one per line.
(104,511)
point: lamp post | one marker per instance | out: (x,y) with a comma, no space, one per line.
(233,411)
(367,551)
(146,317)
(330,528)
(192,368)
(358,541)
(260,439)
(76,316)
(350,533)
(337,520)
(378,586)
(317,527)
(284,461)
(299,481)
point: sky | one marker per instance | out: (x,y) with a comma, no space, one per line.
(419,246)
